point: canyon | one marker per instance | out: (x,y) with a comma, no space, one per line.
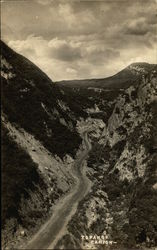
(78,158)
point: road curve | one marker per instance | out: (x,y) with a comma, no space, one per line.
(49,234)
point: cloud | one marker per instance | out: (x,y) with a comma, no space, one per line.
(62,50)
(56,48)
(56,57)
(152,19)
(100,54)
(45,2)
(81,39)
(139,27)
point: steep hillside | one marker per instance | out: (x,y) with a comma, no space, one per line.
(18,187)
(122,80)
(39,142)
(35,103)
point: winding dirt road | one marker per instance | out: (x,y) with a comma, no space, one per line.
(49,234)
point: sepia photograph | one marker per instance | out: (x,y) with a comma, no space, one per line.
(78,124)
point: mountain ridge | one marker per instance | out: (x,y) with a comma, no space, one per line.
(118,80)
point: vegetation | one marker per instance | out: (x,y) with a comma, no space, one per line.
(17,167)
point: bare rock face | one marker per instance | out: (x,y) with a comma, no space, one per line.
(22,233)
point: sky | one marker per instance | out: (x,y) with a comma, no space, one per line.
(72,39)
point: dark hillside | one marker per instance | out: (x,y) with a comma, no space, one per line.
(31,100)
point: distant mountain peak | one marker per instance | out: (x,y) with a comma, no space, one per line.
(139,64)
(141,67)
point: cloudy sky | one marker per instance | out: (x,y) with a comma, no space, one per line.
(81,39)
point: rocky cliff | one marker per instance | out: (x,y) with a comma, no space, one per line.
(121,206)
